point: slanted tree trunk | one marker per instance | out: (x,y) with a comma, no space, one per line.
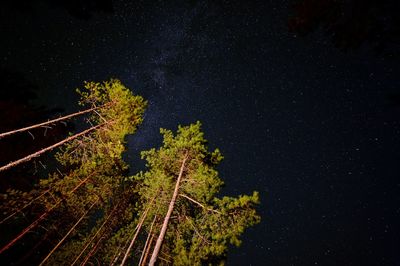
(147,244)
(97,232)
(139,226)
(38,153)
(33,250)
(27,229)
(148,250)
(2,135)
(23,207)
(68,233)
(41,217)
(93,251)
(168,215)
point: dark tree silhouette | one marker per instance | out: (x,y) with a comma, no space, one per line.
(351,23)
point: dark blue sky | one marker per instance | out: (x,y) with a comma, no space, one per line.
(309,126)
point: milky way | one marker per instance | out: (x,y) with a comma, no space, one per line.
(308,126)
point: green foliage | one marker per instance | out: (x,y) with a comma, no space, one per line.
(196,234)
(93,169)
(202,226)
(119,111)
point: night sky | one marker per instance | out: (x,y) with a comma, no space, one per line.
(310,126)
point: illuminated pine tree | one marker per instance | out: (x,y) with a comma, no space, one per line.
(92,165)
(169,214)
(180,187)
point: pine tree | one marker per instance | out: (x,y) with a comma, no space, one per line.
(92,166)
(197,227)
(94,213)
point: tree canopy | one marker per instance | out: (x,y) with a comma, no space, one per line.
(201,226)
(92,211)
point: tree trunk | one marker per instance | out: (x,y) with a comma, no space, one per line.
(97,232)
(2,135)
(147,250)
(93,251)
(23,207)
(68,233)
(168,215)
(38,153)
(150,234)
(27,229)
(136,233)
(33,250)
(41,217)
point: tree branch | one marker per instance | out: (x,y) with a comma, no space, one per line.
(2,135)
(38,153)
(198,203)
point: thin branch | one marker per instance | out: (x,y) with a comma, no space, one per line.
(100,116)
(164,259)
(2,135)
(33,137)
(198,203)
(38,153)
(44,166)
(197,232)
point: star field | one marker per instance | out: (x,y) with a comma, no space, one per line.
(307,125)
